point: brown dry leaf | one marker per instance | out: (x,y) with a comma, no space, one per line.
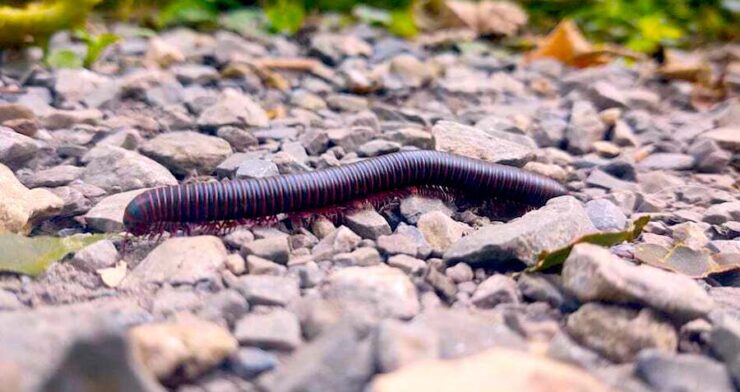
(276,112)
(113,276)
(682,259)
(567,44)
(501,18)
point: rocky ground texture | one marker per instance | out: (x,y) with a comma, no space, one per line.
(422,295)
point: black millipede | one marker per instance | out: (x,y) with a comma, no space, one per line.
(218,205)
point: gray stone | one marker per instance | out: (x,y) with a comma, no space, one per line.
(360,257)
(9,301)
(408,264)
(592,273)
(440,231)
(270,248)
(380,290)
(368,223)
(621,333)
(560,221)
(709,157)
(250,362)
(564,349)
(268,290)
(15,149)
(441,283)
(667,161)
(683,372)
(605,95)
(233,108)
(277,329)
(105,361)
(377,147)
(723,212)
(472,142)
(540,287)
(460,273)
(398,243)
(307,100)
(463,333)
(414,206)
(256,265)
(347,102)
(412,137)
(605,215)
(341,240)
(102,254)
(315,141)
(225,305)
(584,129)
(350,138)
(53,177)
(185,260)
(724,341)
(340,359)
(601,179)
(727,137)
(498,289)
(238,138)
(256,168)
(63,119)
(107,215)
(187,152)
(117,170)
(401,344)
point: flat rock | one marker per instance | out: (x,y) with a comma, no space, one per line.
(605,215)
(368,223)
(277,329)
(727,137)
(268,290)
(187,152)
(340,359)
(440,231)
(667,161)
(185,260)
(21,208)
(271,248)
(621,333)
(685,372)
(186,347)
(592,273)
(15,149)
(723,212)
(107,215)
(724,341)
(414,206)
(472,142)
(560,221)
(115,169)
(382,290)
(496,369)
(584,129)
(233,108)
(496,290)
(341,240)
(102,254)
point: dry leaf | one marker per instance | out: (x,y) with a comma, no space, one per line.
(500,18)
(113,276)
(682,259)
(569,46)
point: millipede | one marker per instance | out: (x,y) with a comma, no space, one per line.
(216,206)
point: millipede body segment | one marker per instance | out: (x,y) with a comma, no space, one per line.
(211,203)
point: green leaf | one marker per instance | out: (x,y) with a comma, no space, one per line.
(32,255)
(372,15)
(243,19)
(64,58)
(547,260)
(403,23)
(96,45)
(188,12)
(285,16)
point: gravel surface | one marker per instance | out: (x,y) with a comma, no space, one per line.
(421,295)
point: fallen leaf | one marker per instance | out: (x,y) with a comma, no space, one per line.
(32,255)
(682,259)
(113,276)
(547,260)
(501,18)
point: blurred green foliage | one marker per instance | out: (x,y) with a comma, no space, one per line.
(642,25)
